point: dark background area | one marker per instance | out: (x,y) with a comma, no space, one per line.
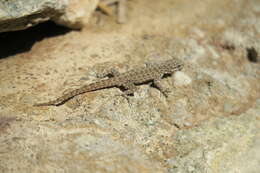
(15,42)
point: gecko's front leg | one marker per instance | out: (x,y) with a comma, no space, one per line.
(130,88)
(158,85)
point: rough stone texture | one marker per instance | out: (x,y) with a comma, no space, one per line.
(209,123)
(18,15)
(77,13)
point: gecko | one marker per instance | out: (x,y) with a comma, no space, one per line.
(127,81)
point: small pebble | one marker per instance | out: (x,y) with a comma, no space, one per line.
(181,79)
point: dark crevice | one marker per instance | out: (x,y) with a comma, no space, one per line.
(15,42)
(252,54)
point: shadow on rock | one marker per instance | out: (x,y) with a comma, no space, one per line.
(15,42)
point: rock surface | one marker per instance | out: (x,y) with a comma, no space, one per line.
(18,15)
(209,123)
(77,13)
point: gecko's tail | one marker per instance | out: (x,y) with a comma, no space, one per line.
(59,101)
(51,103)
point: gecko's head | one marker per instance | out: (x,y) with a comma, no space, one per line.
(172,65)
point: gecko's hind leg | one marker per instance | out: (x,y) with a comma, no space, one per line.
(129,89)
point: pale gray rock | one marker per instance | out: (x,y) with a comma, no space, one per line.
(18,15)
(77,13)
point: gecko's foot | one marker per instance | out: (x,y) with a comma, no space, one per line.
(126,96)
(122,95)
(166,92)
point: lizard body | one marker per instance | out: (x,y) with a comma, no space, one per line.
(127,80)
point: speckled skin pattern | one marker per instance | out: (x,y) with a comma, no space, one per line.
(128,80)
